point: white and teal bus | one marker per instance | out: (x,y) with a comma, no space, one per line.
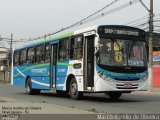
(110,59)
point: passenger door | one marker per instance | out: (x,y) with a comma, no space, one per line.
(89,62)
(53,65)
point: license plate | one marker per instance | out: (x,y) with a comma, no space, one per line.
(127,85)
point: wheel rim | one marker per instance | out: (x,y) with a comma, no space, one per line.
(73,89)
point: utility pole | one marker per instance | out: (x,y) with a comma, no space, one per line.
(11,48)
(150,41)
(10,59)
(151,34)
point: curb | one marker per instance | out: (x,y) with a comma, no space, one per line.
(146,92)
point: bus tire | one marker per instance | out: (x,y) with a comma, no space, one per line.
(29,89)
(73,90)
(114,95)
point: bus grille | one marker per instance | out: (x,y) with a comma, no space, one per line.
(126,79)
(126,86)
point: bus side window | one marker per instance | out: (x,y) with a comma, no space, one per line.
(76,48)
(16,58)
(22,59)
(40,53)
(64,49)
(30,56)
(47,53)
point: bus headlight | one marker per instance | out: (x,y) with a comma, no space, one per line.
(100,74)
(109,79)
(143,79)
(104,77)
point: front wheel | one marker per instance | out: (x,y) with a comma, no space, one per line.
(73,90)
(114,95)
(29,89)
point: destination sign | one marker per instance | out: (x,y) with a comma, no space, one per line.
(121,31)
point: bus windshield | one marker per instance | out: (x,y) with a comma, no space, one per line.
(117,52)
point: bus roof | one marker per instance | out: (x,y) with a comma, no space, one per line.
(91,28)
(41,41)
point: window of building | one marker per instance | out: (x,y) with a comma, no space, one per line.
(30,55)
(22,58)
(40,53)
(16,58)
(76,48)
(64,49)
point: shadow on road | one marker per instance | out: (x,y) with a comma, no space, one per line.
(128,98)
(19,93)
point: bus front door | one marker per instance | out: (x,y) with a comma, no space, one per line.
(89,62)
(53,65)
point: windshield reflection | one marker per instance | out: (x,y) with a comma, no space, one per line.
(116,52)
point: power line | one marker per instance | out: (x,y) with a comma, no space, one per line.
(113,10)
(91,17)
(136,20)
(77,23)
(71,26)
(146,17)
(144,5)
(88,19)
(141,22)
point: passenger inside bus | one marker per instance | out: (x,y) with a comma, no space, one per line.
(80,55)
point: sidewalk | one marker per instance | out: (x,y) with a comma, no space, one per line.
(155,89)
(15,106)
(150,92)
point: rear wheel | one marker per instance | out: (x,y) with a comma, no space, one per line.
(114,95)
(29,89)
(73,90)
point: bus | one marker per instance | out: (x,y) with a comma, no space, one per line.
(110,59)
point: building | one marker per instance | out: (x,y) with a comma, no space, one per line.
(3,63)
(3,56)
(156,62)
(156,48)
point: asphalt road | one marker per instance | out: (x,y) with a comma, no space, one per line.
(128,103)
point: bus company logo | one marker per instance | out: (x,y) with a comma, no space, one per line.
(61,70)
(41,70)
(142,74)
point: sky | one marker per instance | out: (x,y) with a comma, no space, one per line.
(32,18)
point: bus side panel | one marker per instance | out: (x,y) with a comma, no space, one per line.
(62,68)
(18,77)
(19,82)
(38,73)
(40,77)
(77,71)
(60,83)
(41,83)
